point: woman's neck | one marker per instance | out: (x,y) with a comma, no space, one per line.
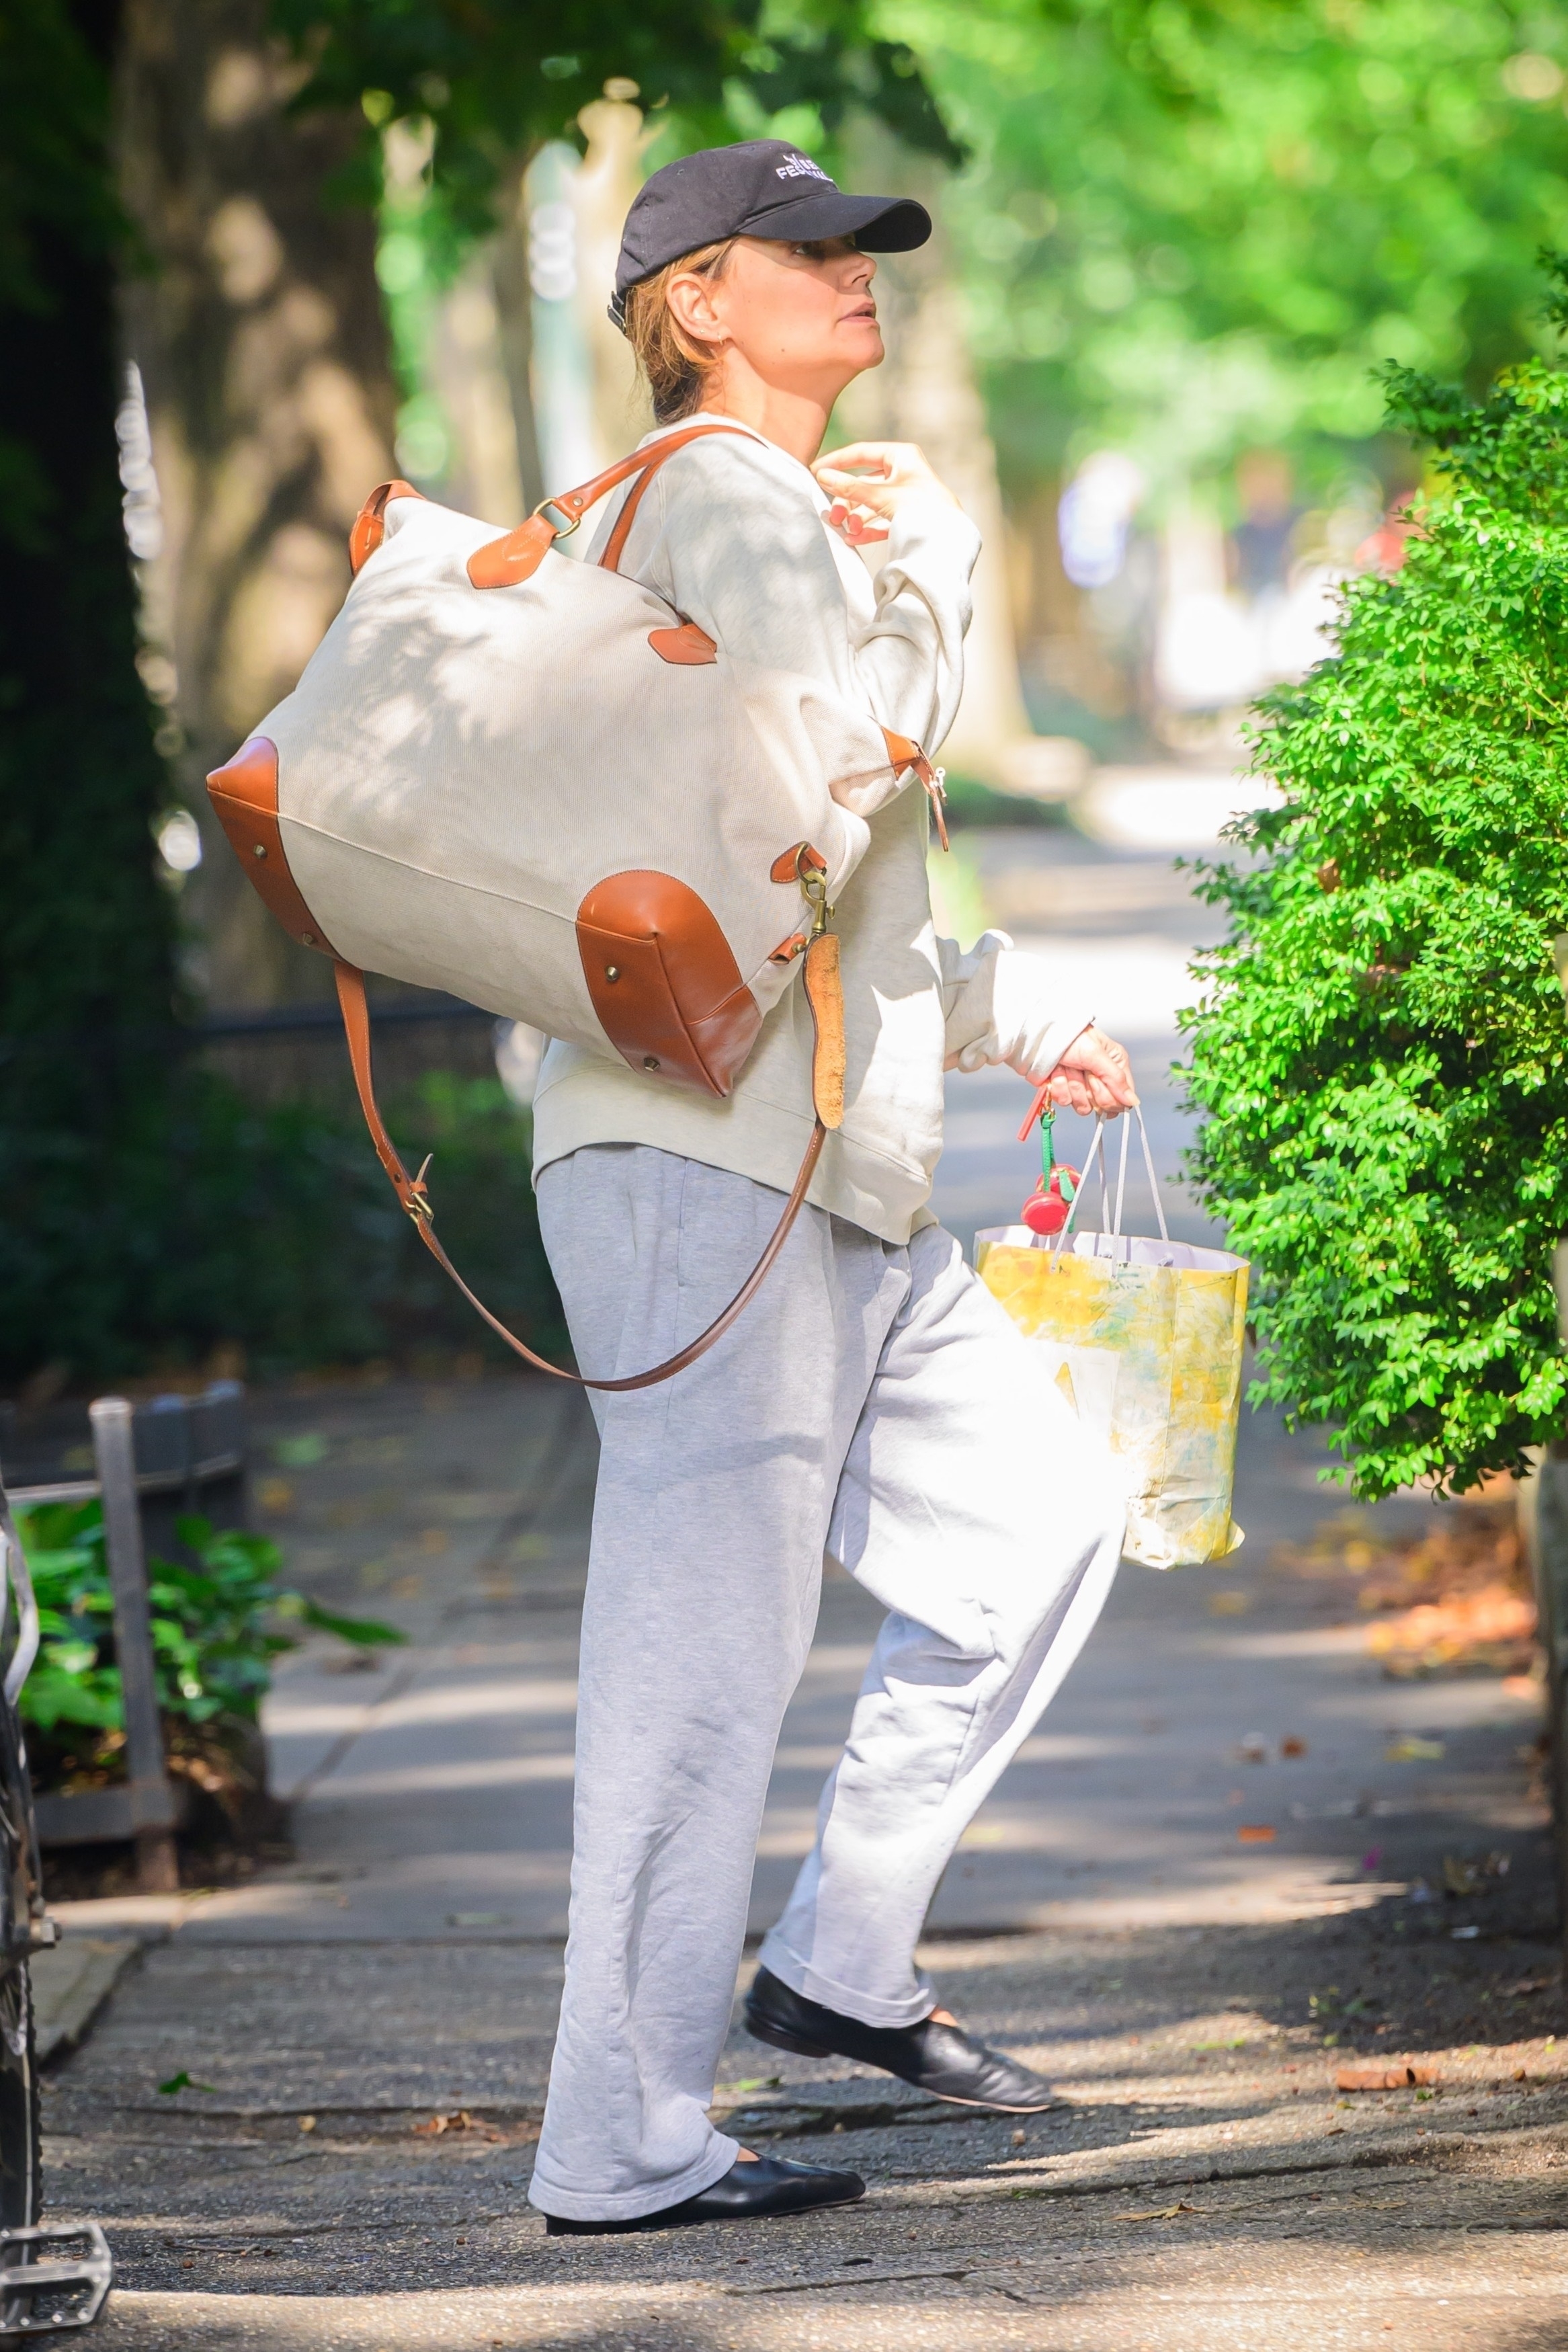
(795,422)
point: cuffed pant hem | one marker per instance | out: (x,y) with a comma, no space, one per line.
(844,2000)
(631,2204)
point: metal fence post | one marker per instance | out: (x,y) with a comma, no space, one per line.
(152,1800)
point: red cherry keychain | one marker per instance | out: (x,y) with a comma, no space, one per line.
(1047,1208)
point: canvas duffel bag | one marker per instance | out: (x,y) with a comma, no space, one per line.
(532,784)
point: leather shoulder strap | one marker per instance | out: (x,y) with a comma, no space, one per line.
(615,546)
(411,1191)
(501,563)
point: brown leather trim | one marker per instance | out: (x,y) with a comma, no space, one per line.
(903,752)
(663,980)
(786,866)
(688,647)
(370,523)
(503,562)
(787,950)
(615,546)
(244,799)
(411,1191)
(825,994)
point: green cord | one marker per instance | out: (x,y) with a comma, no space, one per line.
(1066,1186)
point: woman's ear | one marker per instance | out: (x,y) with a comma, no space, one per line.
(690,297)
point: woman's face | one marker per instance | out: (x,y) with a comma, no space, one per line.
(800,316)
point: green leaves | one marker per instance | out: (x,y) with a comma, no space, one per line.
(1190,228)
(496,81)
(1382,1051)
(214,1637)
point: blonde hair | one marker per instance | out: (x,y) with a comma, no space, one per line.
(674,367)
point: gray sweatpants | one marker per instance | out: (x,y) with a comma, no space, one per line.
(872,1402)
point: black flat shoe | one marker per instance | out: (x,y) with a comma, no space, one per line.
(749,2190)
(940,2060)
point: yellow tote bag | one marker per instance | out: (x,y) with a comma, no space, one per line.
(1147,1339)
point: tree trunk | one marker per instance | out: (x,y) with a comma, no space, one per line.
(514,329)
(258,333)
(602,196)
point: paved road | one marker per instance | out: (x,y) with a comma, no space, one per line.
(1193,1990)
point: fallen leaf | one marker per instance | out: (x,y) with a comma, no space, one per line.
(1292,1747)
(308,2123)
(460,2122)
(1529,1985)
(1255,1833)
(1383,2078)
(1160,2213)
(1412,1751)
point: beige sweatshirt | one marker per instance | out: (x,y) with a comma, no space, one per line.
(731,535)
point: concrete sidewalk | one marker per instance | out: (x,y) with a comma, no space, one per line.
(370,2027)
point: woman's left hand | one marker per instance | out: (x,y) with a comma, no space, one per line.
(1094,1075)
(870,482)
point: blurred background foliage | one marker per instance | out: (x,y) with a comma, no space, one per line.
(1190,229)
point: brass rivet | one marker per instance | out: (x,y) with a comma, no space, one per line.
(257,851)
(650,1061)
(611,971)
(308,938)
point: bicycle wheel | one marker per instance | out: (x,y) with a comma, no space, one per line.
(20,2169)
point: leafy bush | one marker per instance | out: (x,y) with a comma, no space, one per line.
(1382,1053)
(215,1633)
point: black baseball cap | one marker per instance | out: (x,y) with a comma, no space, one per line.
(759,187)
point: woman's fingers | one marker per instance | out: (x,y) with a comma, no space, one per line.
(876,456)
(1102,1065)
(877,474)
(854,524)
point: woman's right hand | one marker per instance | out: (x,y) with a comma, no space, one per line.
(871,481)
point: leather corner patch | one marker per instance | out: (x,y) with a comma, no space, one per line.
(245,801)
(665,982)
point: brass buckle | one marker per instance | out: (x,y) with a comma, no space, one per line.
(814,891)
(418,1202)
(561,530)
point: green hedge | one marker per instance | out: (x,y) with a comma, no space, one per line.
(1382,1055)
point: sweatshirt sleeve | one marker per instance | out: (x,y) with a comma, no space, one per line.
(732,535)
(1001,1006)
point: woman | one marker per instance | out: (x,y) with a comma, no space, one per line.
(873,1400)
